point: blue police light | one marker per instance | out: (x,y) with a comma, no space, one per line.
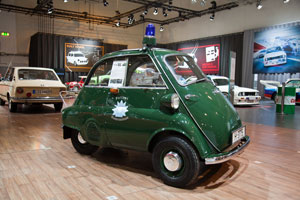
(150,30)
(149,38)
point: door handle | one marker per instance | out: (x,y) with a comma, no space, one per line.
(189,96)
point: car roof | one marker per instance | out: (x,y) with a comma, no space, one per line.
(75,52)
(36,68)
(217,77)
(140,50)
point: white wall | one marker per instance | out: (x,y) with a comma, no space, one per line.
(235,20)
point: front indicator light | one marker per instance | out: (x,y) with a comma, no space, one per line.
(175,101)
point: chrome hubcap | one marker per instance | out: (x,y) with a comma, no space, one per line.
(172,161)
(80,139)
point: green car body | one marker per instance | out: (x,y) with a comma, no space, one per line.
(139,117)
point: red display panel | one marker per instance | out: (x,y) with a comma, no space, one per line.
(207,57)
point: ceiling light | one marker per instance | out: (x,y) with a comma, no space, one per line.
(161,28)
(155,12)
(164,12)
(65,1)
(213,5)
(145,12)
(286,1)
(105,3)
(50,10)
(118,23)
(202,2)
(212,17)
(259,5)
(170,5)
(131,19)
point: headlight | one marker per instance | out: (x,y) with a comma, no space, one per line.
(175,101)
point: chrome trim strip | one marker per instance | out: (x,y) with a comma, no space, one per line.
(149,88)
(224,158)
(186,106)
(37,99)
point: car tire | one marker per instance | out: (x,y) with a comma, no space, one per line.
(58,106)
(12,106)
(176,162)
(2,102)
(81,145)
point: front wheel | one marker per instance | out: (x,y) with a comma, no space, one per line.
(82,146)
(176,162)
(58,107)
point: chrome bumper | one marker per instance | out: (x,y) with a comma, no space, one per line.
(223,157)
(33,100)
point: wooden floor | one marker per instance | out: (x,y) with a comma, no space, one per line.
(36,163)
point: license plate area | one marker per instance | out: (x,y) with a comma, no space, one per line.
(238,134)
(42,92)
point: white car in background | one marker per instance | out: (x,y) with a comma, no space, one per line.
(274,56)
(77,58)
(241,95)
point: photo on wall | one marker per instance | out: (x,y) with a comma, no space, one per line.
(81,55)
(207,57)
(277,50)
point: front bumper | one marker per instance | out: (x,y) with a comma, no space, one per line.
(223,157)
(37,100)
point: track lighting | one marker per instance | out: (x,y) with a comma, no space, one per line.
(118,23)
(259,5)
(145,12)
(165,13)
(212,17)
(286,1)
(155,12)
(105,3)
(161,28)
(50,10)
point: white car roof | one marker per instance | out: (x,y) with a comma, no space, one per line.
(75,52)
(217,77)
(36,68)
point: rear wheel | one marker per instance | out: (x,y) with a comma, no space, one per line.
(2,102)
(12,106)
(82,146)
(176,162)
(58,107)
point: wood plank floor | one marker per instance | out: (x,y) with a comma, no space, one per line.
(36,163)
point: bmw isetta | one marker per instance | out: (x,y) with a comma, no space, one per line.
(160,101)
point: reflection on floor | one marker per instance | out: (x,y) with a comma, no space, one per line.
(36,163)
(265,113)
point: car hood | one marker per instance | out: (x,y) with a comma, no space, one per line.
(243,89)
(274,54)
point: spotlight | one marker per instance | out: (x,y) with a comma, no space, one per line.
(118,23)
(202,2)
(161,28)
(145,12)
(286,1)
(170,5)
(131,19)
(212,17)
(259,5)
(155,12)
(65,1)
(50,10)
(105,3)
(164,12)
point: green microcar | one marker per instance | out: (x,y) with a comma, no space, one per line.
(156,100)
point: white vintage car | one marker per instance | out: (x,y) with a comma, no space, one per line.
(241,95)
(274,56)
(77,58)
(31,85)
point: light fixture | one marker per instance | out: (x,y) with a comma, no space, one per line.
(212,17)
(50,7)
(213,5)
(170,5)
(50,10)
(155,12)
(259,5)
(161,28)
(65,1)
(142,17)
(131,19)
(118,23)
(105,3)
(145,12)
(286,1)
(165,13)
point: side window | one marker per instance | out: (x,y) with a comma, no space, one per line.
(143,73)
(10,74)
(101,75)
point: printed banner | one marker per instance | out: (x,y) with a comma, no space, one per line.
(82,55)
(277,51)
(207,57)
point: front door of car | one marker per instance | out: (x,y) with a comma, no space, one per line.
(132,112)
(6,85)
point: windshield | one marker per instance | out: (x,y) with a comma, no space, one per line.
(220,82)
(184,69)
(34,74)
(78,55)
(293,83)
(274,49)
